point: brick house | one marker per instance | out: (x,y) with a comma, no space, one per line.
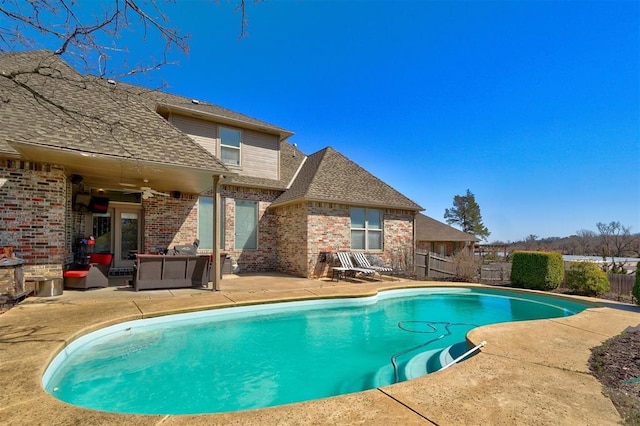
(441,239)
(140,171)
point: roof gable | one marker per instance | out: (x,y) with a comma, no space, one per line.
(164,103)
(329,176)
(429,229)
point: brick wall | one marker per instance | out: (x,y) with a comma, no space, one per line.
(169,221)
(424,246)
(329,228)
(398,240)
(37,219)
(264,258)
(292,244)
(34,207)
(307,229)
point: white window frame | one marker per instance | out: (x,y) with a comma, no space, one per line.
(366,229)
(230,147)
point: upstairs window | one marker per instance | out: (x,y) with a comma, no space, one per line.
(230,146)
(366,229)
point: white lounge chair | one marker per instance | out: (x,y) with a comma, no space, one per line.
(363,262)
(346,266)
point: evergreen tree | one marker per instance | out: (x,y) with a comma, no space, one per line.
(465,213)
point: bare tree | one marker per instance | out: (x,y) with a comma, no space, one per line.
(585,240)
(616,239)
(530,241)
(88,34)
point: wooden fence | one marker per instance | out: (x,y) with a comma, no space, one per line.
(495,273)
(433,266)
(442,268)
(621,285)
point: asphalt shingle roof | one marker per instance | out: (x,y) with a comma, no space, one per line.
(429,229)
(329,176)
(161,99)
(47,103)
(43,101)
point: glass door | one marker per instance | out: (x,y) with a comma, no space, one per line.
(128,236)
(102,232)
(118,232)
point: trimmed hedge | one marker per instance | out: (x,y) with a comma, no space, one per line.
(537,270)
(588,279)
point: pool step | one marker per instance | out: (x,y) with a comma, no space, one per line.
(419,365)
(432,361)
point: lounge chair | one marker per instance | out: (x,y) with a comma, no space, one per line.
(346,267)
(94,274)
(363,262)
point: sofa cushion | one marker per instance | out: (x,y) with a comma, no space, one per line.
(75,274)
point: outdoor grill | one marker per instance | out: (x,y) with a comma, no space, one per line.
(190,249)
(11,278)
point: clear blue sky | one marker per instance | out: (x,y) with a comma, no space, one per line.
(532,105)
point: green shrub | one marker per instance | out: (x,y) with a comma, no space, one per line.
(636,286)
(587,278)
(537,270)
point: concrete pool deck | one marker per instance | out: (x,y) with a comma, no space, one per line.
(529,373)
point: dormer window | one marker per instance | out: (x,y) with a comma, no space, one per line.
(230,146)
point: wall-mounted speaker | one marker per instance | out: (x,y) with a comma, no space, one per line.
(176,194)
(76,179)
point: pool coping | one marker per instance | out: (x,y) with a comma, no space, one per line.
(533,372)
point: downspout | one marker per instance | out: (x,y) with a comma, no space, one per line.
(216,267)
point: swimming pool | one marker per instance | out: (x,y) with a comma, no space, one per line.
(257,356)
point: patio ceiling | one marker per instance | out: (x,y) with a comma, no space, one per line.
(117,173)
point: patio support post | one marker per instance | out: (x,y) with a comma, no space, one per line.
(216,267)
(414,245)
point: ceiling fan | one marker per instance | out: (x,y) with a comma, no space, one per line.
(146,192)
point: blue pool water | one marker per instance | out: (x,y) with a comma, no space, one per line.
(264,355)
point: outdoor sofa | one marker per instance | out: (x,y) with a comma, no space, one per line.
(156,271)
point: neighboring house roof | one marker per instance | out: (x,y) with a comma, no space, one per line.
(329,176)
(291,158)
(49,104)
(428,229)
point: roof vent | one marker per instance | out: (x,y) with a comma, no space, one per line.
(195,101)
(112,82)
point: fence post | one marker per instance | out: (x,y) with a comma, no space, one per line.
(427,259)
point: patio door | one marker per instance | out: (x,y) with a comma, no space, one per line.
(118,232)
